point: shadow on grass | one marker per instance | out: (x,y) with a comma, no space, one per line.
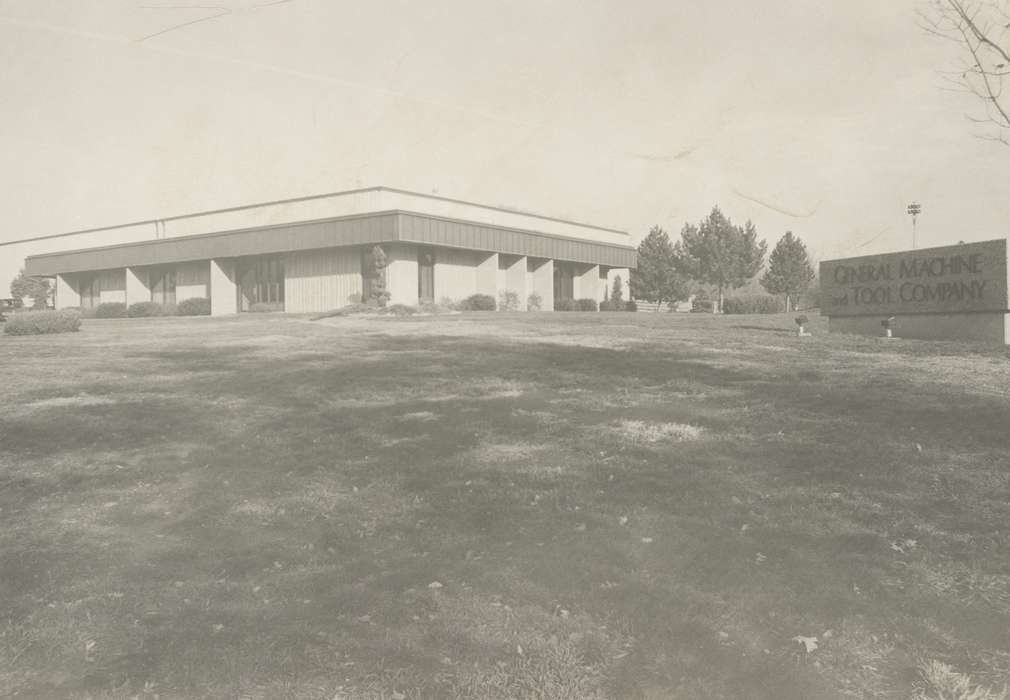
(300,540)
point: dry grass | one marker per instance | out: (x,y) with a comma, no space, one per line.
(612,505)
(641,431)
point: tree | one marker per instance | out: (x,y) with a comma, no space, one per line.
(35,287)
(377,292)
(617,295)
(789,270)
(718,253)
(657,278)
(981,30)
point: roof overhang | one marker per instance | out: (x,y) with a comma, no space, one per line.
(363,229)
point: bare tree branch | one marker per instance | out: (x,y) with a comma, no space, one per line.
(982,29)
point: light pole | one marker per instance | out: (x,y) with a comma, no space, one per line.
(914,208)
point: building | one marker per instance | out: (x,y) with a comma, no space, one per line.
(314,254)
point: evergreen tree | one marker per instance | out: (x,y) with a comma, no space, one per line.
(657,278)
(617,295)
(718,253)
(789,270)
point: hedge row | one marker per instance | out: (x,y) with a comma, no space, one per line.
(608,305)
(42,322)
(144,309)
(477,302)
(575,305)
(754,304)
(195,306)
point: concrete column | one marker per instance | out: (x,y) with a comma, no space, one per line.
(543,282)
(66,293)
(137,285)
(401,274)
(515,277)
(487,275)
(223,288)
(586,283)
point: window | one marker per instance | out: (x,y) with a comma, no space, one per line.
(90,288)
(261,281)
(163,286)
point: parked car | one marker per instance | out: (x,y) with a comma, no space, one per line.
(8,305)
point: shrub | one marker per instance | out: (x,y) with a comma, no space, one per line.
(111,309)
(400,310)
(611,305)
(702,306)
(144,308)
(534,302)
(566,305)
(753,304)
(39,322)
(264,307)
(586,304)
(508,301)
(477,302)
(378,293)
(431,307)
(349,310)
(195,306)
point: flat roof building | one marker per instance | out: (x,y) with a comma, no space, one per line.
(313,254)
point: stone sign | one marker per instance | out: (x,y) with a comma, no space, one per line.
(951,279)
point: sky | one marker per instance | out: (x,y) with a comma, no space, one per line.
(824,118)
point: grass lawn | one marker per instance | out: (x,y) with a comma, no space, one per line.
(492,506)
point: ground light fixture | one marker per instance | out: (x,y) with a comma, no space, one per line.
(888,324)
(801,323)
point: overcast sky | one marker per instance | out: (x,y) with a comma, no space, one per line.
(825,118)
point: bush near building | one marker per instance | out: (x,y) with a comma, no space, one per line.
(43,322)
(400,310)
(508,300)
(586,304)
(144,309)
(195,306)
(753,304)
(477,302)
(111,309)
(534,302)
(565,305)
